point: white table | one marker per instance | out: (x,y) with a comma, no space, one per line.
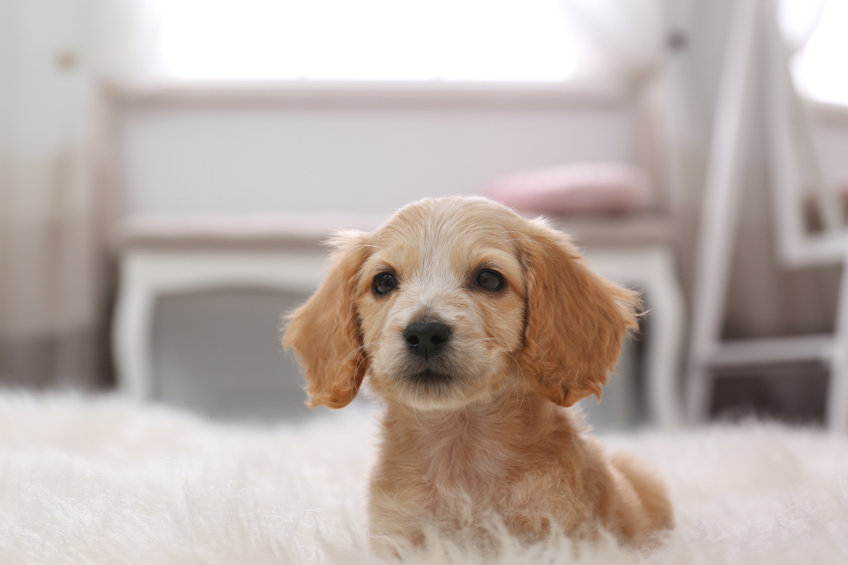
(175,255)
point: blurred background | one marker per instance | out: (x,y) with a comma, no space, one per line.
(169,169)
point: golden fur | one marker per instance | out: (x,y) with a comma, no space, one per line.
(478,430)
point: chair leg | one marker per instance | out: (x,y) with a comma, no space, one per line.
(131,334)
(723,189)
(699,391)
(837,393)
(665,338)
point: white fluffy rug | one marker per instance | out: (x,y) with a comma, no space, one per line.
(103,481)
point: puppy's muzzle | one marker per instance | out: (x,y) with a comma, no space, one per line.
(427,339)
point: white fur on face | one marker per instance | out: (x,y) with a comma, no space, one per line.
(435,259)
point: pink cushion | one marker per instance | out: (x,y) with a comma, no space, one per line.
(580,188)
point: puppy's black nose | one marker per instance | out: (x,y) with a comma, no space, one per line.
(426,339)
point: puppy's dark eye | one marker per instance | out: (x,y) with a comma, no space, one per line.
(490,280)
(384,283)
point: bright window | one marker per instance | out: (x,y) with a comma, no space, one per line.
(394,40)
(819,68)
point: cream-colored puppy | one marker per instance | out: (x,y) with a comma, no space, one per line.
(476,326)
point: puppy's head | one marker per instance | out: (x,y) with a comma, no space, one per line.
(453,301)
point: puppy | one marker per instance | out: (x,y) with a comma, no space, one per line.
(476,327)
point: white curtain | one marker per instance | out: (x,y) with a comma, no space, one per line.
(53,209)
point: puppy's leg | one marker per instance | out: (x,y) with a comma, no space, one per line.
(393,523)
(646,507)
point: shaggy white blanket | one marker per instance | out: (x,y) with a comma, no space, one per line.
(104,481)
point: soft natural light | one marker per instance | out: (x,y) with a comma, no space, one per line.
(393,40)
(819,68)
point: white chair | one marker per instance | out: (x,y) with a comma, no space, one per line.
(756,41)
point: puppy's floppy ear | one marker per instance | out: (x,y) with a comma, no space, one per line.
(325,331)
(575,320)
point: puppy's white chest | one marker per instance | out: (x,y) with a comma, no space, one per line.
(467,463)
